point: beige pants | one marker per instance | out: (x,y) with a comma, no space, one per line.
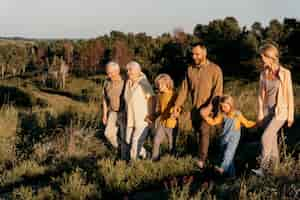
(115,133)
(270,152)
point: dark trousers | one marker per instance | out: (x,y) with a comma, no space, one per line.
(202,128)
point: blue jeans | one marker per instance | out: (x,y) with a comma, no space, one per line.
(229,143)
(135,138)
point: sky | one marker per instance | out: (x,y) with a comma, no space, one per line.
(92,18)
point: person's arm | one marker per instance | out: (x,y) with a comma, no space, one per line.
(104,108)
(245,122)
(150,96)
(182,94)
(206,111)
(152,115)
(214,121)
(157,107)
(260,99)
(218,83)
(290,100)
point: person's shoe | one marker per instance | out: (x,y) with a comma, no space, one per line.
(145,155)
(258,172)
(219,170)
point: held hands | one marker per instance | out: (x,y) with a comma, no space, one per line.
(149,119)
(204,112)
(259,123)
(175,112)
(104,119)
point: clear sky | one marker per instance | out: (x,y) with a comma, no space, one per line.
(91,18)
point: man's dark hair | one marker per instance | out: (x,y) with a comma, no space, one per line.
(201,44)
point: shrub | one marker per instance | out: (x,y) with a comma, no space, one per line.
(24,170)
(23,193)
(120,177)
(75,187)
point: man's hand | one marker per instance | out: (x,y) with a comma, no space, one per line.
(259,123)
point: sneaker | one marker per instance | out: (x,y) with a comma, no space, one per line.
(258,172)
(145,155)
(219,170)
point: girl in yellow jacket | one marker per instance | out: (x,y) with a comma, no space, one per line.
(166,119)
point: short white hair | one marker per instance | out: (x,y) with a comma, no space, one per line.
(113,65)
(133,64)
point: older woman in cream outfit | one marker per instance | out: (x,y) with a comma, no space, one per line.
(275,105)
(138,99)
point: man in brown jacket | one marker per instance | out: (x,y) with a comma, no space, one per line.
(204,82)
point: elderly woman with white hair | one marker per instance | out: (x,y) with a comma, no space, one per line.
(138,97)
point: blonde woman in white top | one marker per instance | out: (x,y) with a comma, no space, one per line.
(275,105)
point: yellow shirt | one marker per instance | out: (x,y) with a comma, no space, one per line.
(239,120)
(164,105)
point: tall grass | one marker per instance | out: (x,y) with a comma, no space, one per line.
(121,177)
(8,121)
(65,137)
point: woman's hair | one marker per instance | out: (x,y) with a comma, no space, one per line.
(227,99)
(134,64)
(113,65)
(270,48)
(166,80)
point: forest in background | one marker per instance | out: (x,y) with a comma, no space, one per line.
(233,47)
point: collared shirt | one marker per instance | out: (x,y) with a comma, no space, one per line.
(203,82)
(112,94)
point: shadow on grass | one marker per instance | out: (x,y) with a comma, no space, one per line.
(56,171)
(82,98)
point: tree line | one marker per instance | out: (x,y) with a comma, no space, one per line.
(233,47)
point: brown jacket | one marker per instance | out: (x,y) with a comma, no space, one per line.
(284,109)
(203,83)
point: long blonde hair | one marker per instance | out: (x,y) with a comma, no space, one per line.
(229,100)
(270,48)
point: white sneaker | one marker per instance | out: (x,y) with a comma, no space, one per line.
(258,172)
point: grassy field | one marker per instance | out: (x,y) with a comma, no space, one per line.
(52,147)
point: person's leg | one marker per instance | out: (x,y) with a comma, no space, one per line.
(111,129)
(138,137)
(275,158)
(124,148)
(169,132)
(269,142)
(174,139)
(230,147)
(158,138)
(203,142)
(141,150)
